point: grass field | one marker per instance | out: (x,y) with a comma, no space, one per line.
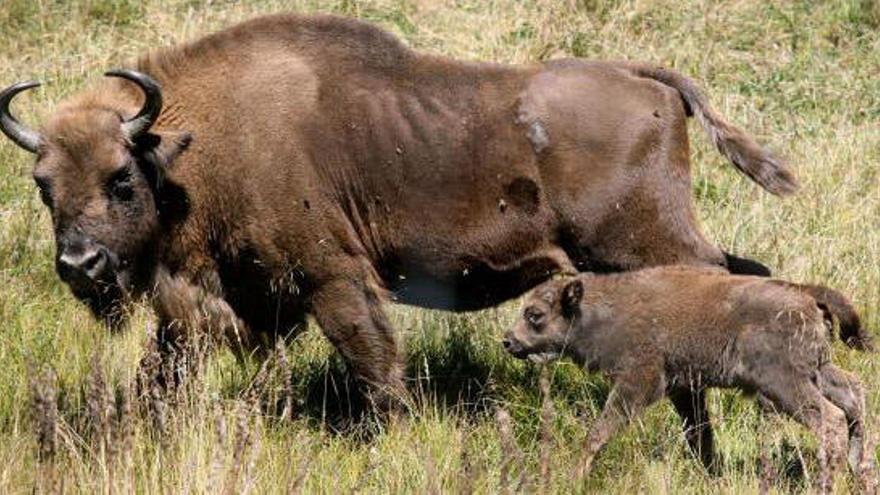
(802,75)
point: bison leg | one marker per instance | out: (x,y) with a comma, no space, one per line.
(350,314)
(632,393)
(162,371)
(691,406)
(191,321)
(800,399)
(845,390)
(745,266)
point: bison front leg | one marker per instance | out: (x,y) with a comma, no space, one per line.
(351,316)
(163,367)
(192,320)
(633,391)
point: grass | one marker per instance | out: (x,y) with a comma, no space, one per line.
(802,75)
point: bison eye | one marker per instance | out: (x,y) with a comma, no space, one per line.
(45,190)
(534,317)
(120,185)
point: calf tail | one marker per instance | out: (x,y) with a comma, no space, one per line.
(749,157)
(835,305)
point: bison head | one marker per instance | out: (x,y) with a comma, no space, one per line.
(548,322)
(99,171)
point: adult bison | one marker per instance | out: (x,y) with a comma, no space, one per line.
(316,165)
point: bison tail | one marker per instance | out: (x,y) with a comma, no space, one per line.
(835,305)
(753,160)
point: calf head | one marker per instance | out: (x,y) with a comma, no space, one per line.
(550,313)
(98,170)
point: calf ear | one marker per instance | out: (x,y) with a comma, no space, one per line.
(570,301)
(159,150)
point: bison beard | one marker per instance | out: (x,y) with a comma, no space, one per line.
(105,302)
(333,167)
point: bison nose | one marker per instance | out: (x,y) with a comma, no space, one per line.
(91,263)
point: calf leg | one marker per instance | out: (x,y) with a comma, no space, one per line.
(631,394)
(350,314)
(800,399)
(845,391)
(691,406)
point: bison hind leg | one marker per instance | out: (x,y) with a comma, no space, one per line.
(745,266)
(691,406)
(799,398)
(845,391)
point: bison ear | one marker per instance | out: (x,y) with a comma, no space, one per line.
(162,148)
(570,301)
(158,150)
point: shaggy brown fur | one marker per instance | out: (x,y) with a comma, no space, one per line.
(674,331)
(317,165)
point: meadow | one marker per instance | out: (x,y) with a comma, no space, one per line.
(802,75)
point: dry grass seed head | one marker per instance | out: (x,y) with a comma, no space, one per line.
(45,410)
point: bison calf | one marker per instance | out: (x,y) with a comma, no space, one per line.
(674,331)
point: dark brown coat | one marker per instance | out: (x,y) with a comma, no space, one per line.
(317,165)
(675,331)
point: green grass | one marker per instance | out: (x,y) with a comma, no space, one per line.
(802,75)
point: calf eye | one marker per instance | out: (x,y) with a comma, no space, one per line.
(534,317)
(45,191)
(120,186)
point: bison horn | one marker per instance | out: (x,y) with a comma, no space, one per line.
(141,122)
(15,130)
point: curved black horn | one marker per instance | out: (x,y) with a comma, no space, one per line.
(141,122)
(28,139)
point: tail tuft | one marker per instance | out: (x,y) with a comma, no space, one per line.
(756,162)
(834,304)
(749,157)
